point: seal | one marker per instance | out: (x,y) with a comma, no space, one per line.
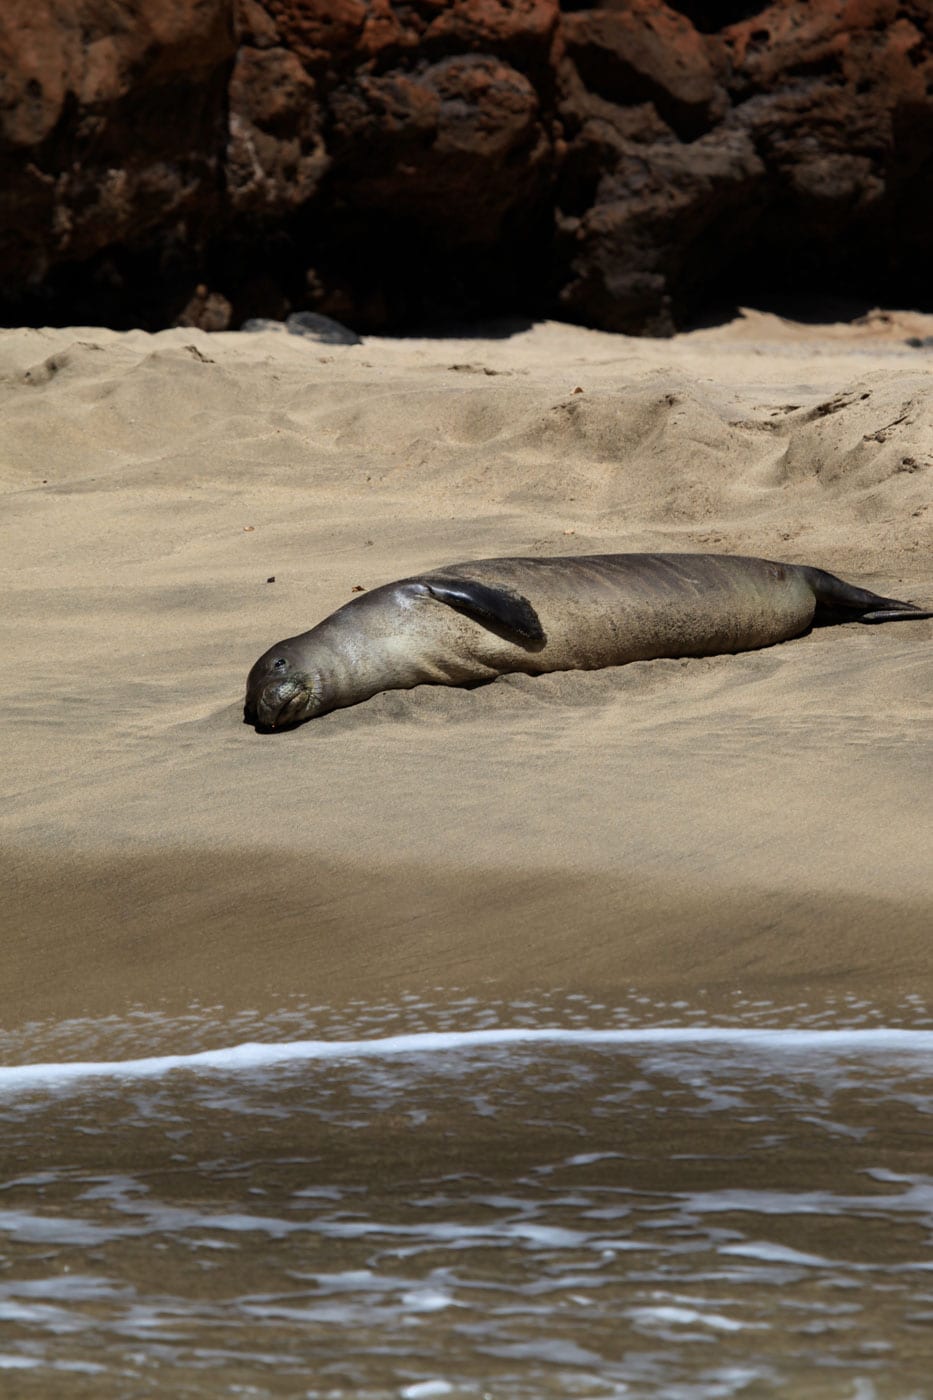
(472,622)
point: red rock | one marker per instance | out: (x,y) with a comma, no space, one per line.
(623,164)
(799,183)
(275,156)
(646,52)
(110,128)
(456,146)
(207,310)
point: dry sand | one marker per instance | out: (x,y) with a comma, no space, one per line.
(759,822)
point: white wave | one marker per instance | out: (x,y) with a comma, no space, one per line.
(258,1055)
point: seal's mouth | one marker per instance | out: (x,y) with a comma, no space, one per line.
(281,705)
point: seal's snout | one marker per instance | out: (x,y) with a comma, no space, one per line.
(278,695)
(278,704)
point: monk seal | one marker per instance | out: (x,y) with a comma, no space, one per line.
(471,622)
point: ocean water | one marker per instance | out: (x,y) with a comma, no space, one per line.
(553,1197)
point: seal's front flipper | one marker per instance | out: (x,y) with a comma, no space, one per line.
(501,606)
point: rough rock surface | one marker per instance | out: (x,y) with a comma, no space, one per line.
(629,164)
(787,152)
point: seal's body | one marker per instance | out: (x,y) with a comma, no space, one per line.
(471,622)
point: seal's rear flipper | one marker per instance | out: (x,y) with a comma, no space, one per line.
(904,612)
(838,601)
(502,606)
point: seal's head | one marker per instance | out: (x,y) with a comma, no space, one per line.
(280,691)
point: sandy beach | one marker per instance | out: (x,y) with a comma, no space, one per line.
(174,503)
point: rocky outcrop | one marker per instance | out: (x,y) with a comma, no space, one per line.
(789,152)
(112,139)
(628,165)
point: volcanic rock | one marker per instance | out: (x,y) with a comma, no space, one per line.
(631,164)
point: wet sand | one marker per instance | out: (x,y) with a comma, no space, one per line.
(757,823)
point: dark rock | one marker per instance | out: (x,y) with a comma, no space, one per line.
(309,324)
(645,52)
(112,133)
(454,148)
(628,164)
(321,328)
(787,167)
(661,225)
(207,310)
(275,158)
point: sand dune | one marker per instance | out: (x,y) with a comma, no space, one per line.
(738,821)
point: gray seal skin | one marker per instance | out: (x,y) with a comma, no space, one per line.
(474,621)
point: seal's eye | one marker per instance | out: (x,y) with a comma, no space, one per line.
(280,664)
